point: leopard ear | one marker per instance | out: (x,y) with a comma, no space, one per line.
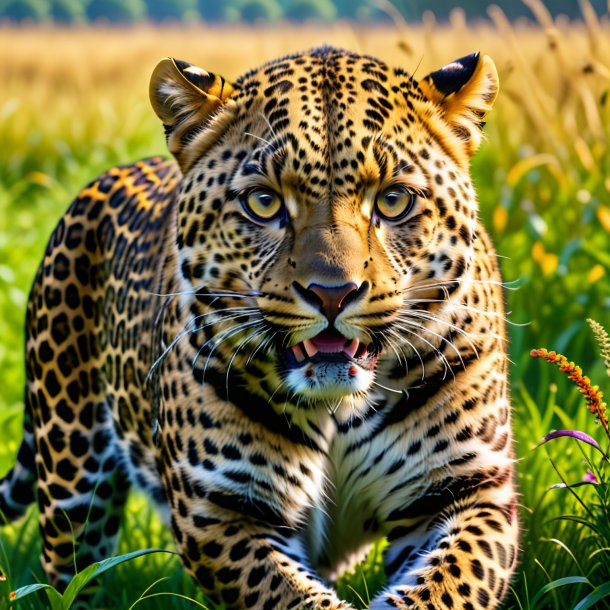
(464,91)
(185,98)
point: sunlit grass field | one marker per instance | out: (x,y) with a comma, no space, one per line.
(74,102)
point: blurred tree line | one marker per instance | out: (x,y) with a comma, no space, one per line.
(129,11)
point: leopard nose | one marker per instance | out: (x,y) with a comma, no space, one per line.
(331,299)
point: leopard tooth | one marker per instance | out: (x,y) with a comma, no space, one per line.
(310,348)
(297,350)
(361,352)
(351,347)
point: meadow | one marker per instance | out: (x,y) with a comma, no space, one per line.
(75,101)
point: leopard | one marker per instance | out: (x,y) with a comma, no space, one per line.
(291,334)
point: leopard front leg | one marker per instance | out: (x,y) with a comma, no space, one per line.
(463,557)
(239,494)
(241,564)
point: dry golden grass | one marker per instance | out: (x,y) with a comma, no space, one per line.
(552,76)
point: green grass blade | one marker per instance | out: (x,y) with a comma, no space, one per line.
(355,592)
(366,589)
(170,594)
(77,584)
(546,574)
(516,598)
(567,549)
(111,562)
(598,551)
(582,521)
(533,412)
(84,577)
(560,582)
(599,593)
(146,591)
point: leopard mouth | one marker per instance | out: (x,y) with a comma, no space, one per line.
(330,346)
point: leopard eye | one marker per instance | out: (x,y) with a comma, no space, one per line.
(394,203)
(264,205)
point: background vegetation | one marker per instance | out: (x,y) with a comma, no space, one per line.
(121,11)
(74,102)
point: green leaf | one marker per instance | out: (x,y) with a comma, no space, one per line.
(593,597)
(84,577)
(53,594)
(561,582)
(77,584)
(107,564)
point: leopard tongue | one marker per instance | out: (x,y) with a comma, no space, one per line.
(330,342)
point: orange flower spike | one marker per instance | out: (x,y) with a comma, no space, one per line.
(12,595)
(592,394)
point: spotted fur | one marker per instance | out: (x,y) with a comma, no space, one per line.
(293,386)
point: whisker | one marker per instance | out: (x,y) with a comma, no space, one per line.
(209,323)
(333,410)
(238,311)
(440,354)
(425,316)
(445,283)
(261,346)
(253,135)
(469,308)
(247,339)
(469,336)
(279,385)
(386,387)
(271,128)
(415,350)
(239,295)
(183,333)
(391,343)
(220,292)
(443,339)
(218,339)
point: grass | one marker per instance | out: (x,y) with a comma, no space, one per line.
(74,102)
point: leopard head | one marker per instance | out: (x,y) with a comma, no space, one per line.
(322,196)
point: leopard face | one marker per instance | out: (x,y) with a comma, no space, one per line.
(323,201)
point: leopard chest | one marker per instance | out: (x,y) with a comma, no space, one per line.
(374,471)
